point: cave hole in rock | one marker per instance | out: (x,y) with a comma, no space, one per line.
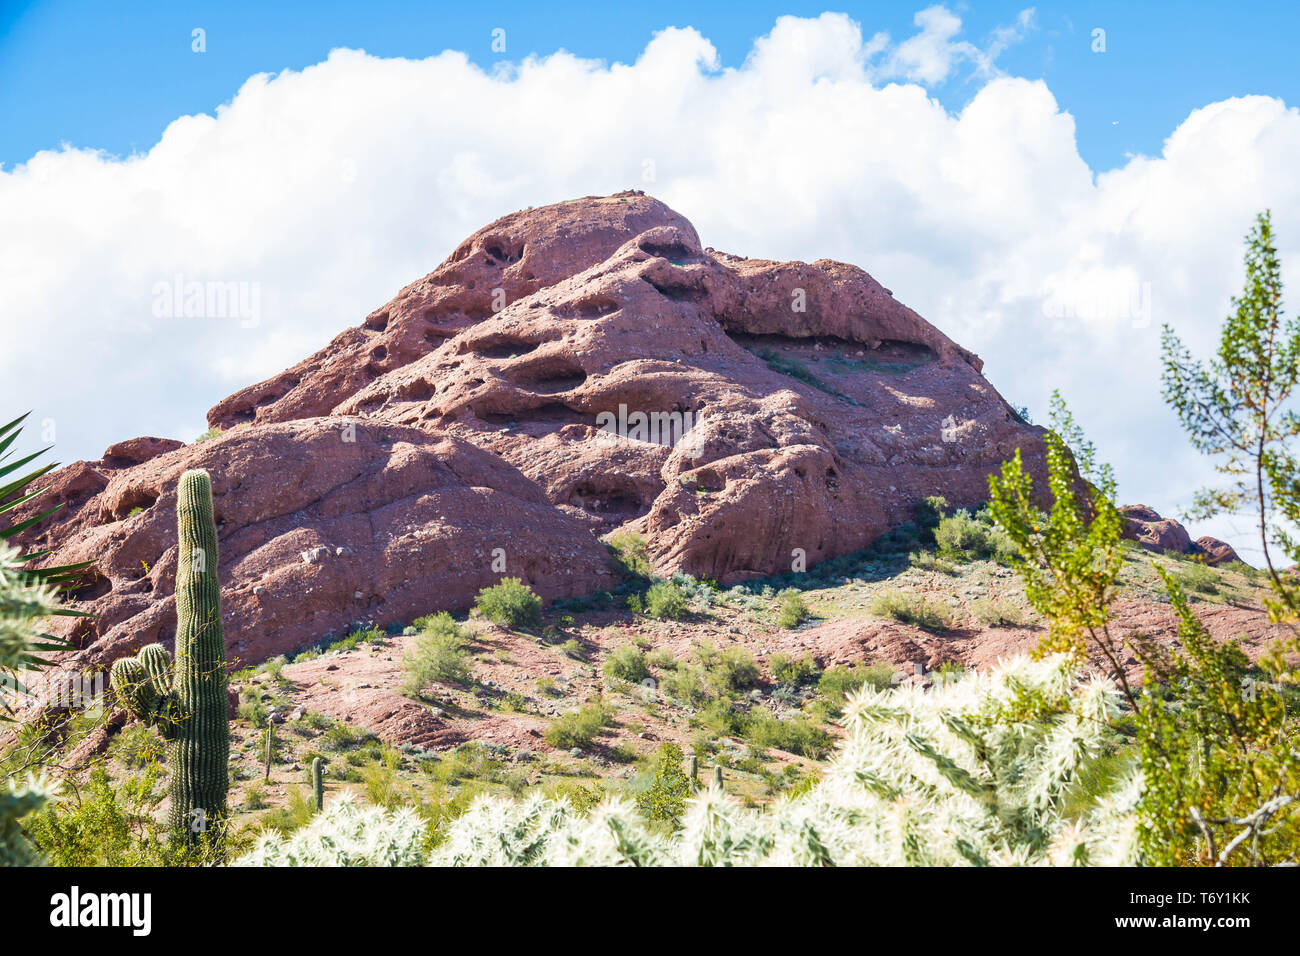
(589,307)
(94,586)
(673,250)
(377,322)
(132,499)
(548,375)
(608,496)
(552,415)
(674,290)
(499,347)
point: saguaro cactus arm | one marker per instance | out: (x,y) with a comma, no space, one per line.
(142,684)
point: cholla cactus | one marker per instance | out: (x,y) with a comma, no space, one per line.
(15,803)
(346,834)
(973,772)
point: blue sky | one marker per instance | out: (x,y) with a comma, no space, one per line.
(112,75)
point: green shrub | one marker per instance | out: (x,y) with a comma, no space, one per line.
(994,612)
(730,670)
(138,746)
(913,609)
(627,663)
(579,728)
(439,655)
(631,554)
(793,610)
(794,671)
(927,514)
(1200,579)
(510,604)
(796,735)
(961,535)
(836,683)
(662,796)
(666,600)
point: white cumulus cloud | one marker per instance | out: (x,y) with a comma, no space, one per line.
(318,193)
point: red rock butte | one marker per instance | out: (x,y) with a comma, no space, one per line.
(462,433)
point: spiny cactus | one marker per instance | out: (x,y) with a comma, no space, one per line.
(15,803)
(717,776)
(187,702)
(270,748)
(693,770)
(317,784)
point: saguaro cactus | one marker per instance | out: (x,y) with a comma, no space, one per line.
(317,784)
(270,748)
(187,702)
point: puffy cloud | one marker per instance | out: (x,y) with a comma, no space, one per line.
(316,194)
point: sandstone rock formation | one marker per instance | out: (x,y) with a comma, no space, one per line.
(568,371)
(1145,526)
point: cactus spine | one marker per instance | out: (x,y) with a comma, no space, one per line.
(187,702)
(317,784)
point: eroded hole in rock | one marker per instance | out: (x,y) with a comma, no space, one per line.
(705,479)
(608,496)
(417,391)
(831,355)
(590,307)
(436,338)
(133,501)
(548,375)
(93,587)
(672,250)
(378,353)
(377,322)
(498,347)
(552,415)
(504,250)
(678,291)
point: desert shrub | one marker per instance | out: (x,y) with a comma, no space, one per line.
(929,561)
(661,795)
(627,663)
(729,670)
(631,554)
(510,604)
(796,735)
(688,683)
(137,746)
(439,655)
(927,513)
(961,535)
(579,728)
(976,772)
(251,709)
(667,601)
(791,670)
(914,609)
(836,683)
(994,612)
(101,823)
(793,610)
(1200,579)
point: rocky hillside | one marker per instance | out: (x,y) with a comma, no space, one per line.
(567,372)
